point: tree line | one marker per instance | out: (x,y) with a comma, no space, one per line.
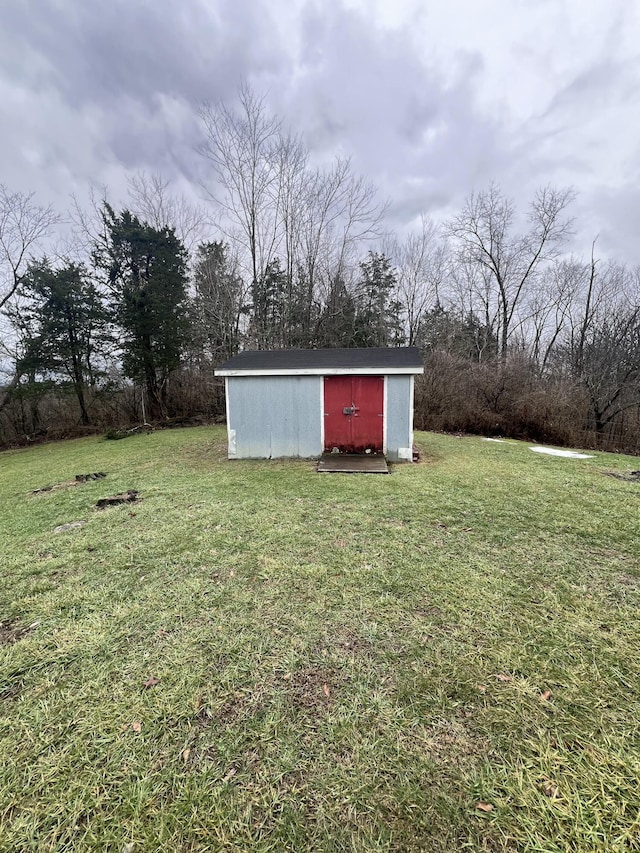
(126,319)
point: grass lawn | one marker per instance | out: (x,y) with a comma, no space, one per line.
(256,657)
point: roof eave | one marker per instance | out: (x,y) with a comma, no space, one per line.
(325,371)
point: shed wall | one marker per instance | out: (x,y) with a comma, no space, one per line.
(274,416)
(399,418)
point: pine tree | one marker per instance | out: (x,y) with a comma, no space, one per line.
(146,270)
(63,325)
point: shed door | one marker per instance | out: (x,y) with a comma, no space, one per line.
(354,413)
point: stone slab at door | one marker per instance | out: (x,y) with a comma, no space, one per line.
(354,413)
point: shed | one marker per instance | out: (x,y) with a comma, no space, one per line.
(303,402)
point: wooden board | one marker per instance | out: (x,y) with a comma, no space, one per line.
(350,463)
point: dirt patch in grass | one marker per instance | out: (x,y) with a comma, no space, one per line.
(627,476)
(235,708)
(79,478)
(312,688)
(238,706)
(130,496)
(11,632)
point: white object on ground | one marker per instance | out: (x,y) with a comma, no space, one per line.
(501,440)
(571,454)
(70,526)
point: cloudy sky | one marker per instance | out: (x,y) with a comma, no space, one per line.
(432,99)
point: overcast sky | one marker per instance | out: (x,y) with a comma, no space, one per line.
(431,98)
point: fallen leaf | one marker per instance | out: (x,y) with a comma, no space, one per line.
(232,574)
(162,633)
(232,772)
(151,682)
(185,754)
(326,690)
(287,676)
(549,788)
(137,727)
(484,807)
(501,676)
(481,688)
(341,543)
(546,695)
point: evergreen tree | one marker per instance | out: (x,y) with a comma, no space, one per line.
(219,302)
(445,330)
(337,327)
(62,324)
(146,270)
(378,322)
(270,295)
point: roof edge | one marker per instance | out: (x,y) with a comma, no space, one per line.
(323,371)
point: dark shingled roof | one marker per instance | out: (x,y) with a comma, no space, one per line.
(306,359)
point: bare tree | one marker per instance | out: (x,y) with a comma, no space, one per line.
(610,365)
(484,235)
(277,213)
(242,146)
(153,202)
(23,227)
(421,262)
(549,305)
(290,198)
(341,212)
(602,343)
(470,292)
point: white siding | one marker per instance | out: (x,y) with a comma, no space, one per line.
(399,418)
(275,416)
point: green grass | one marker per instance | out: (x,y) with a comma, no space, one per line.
(345,663)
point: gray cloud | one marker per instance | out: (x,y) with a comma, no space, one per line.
(93,91)
(103,52)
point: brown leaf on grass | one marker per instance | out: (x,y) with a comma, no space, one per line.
(287,676)
(501,676)
(151,682)
(481,688)
(484,807)
(546,695)
(549,788)
(326,690)
(185,754)
(137,727)
(162,633)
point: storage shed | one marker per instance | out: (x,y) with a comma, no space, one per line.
(303,402)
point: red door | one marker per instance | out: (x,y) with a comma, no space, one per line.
(354,413)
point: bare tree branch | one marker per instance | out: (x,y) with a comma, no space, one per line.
(23,227)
